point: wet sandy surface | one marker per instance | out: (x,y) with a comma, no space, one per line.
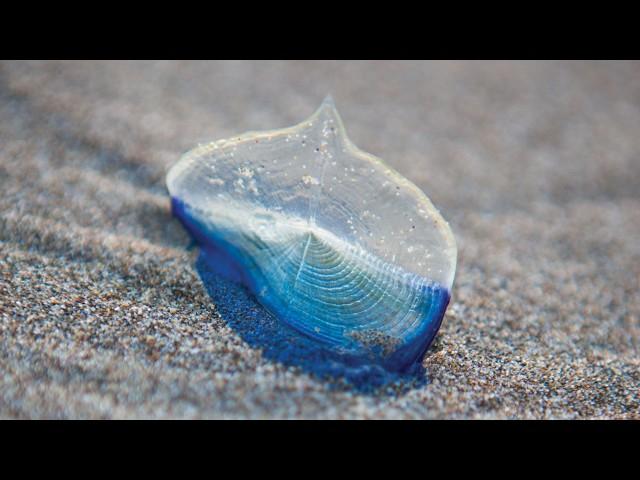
(535,165)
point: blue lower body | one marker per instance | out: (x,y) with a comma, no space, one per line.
(275,334)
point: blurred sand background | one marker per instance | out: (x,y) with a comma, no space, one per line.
(536,166)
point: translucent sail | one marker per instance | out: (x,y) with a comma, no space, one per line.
(329,238)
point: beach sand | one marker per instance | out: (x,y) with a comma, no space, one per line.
(535,165)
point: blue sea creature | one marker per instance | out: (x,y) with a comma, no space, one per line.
(329,239)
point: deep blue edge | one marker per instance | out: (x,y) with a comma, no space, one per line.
(232,292)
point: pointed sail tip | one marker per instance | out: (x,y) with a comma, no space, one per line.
(327,108)
(328,100)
